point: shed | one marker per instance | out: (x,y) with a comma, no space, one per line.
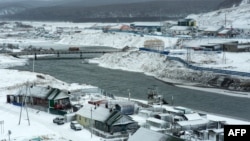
(193,124)
(145,113)
(165,116)
(157,123)
(150,135)
(184,110)
(126,109)
(193,116)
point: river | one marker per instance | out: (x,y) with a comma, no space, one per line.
(118,82)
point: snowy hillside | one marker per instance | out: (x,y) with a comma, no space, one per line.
(236,17)
(245,2)
(117,40)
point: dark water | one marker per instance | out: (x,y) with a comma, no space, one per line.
(118,82)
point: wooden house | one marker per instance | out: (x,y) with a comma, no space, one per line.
(104,120)
(90,115)
(41,98)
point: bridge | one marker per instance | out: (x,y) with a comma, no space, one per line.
(61,52)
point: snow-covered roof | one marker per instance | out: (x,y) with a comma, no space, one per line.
(212,28)
(34,91)
(192,122)
(147,23)
(180,28)
(194,116)
(124,120)
(224,31)
(148,135)
(98,113)
(61,95)
(221,130)
(155,120)
(244,46)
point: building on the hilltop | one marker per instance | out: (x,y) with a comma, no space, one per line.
(186,22)
(211,30)
(150,26)
(181,30)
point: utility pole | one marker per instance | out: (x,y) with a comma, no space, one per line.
(224,55)
(129,94)
(33,66)
(24,104)
(172,100)
(2,126)
(225,20)
(91,121)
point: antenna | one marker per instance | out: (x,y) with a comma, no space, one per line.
(24,104)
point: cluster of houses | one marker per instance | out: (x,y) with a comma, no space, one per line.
(124,119)
(182,27)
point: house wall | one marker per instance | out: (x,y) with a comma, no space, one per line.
(230,47)
(101,126)
(83,121)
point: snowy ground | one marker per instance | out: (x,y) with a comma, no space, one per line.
(41,122)
(236,17)
(149,63)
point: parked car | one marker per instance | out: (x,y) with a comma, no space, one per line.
(75,126)
(59,120)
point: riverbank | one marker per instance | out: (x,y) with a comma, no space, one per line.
(169,72)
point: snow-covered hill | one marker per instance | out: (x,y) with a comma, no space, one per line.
(236,17)
(245,2)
